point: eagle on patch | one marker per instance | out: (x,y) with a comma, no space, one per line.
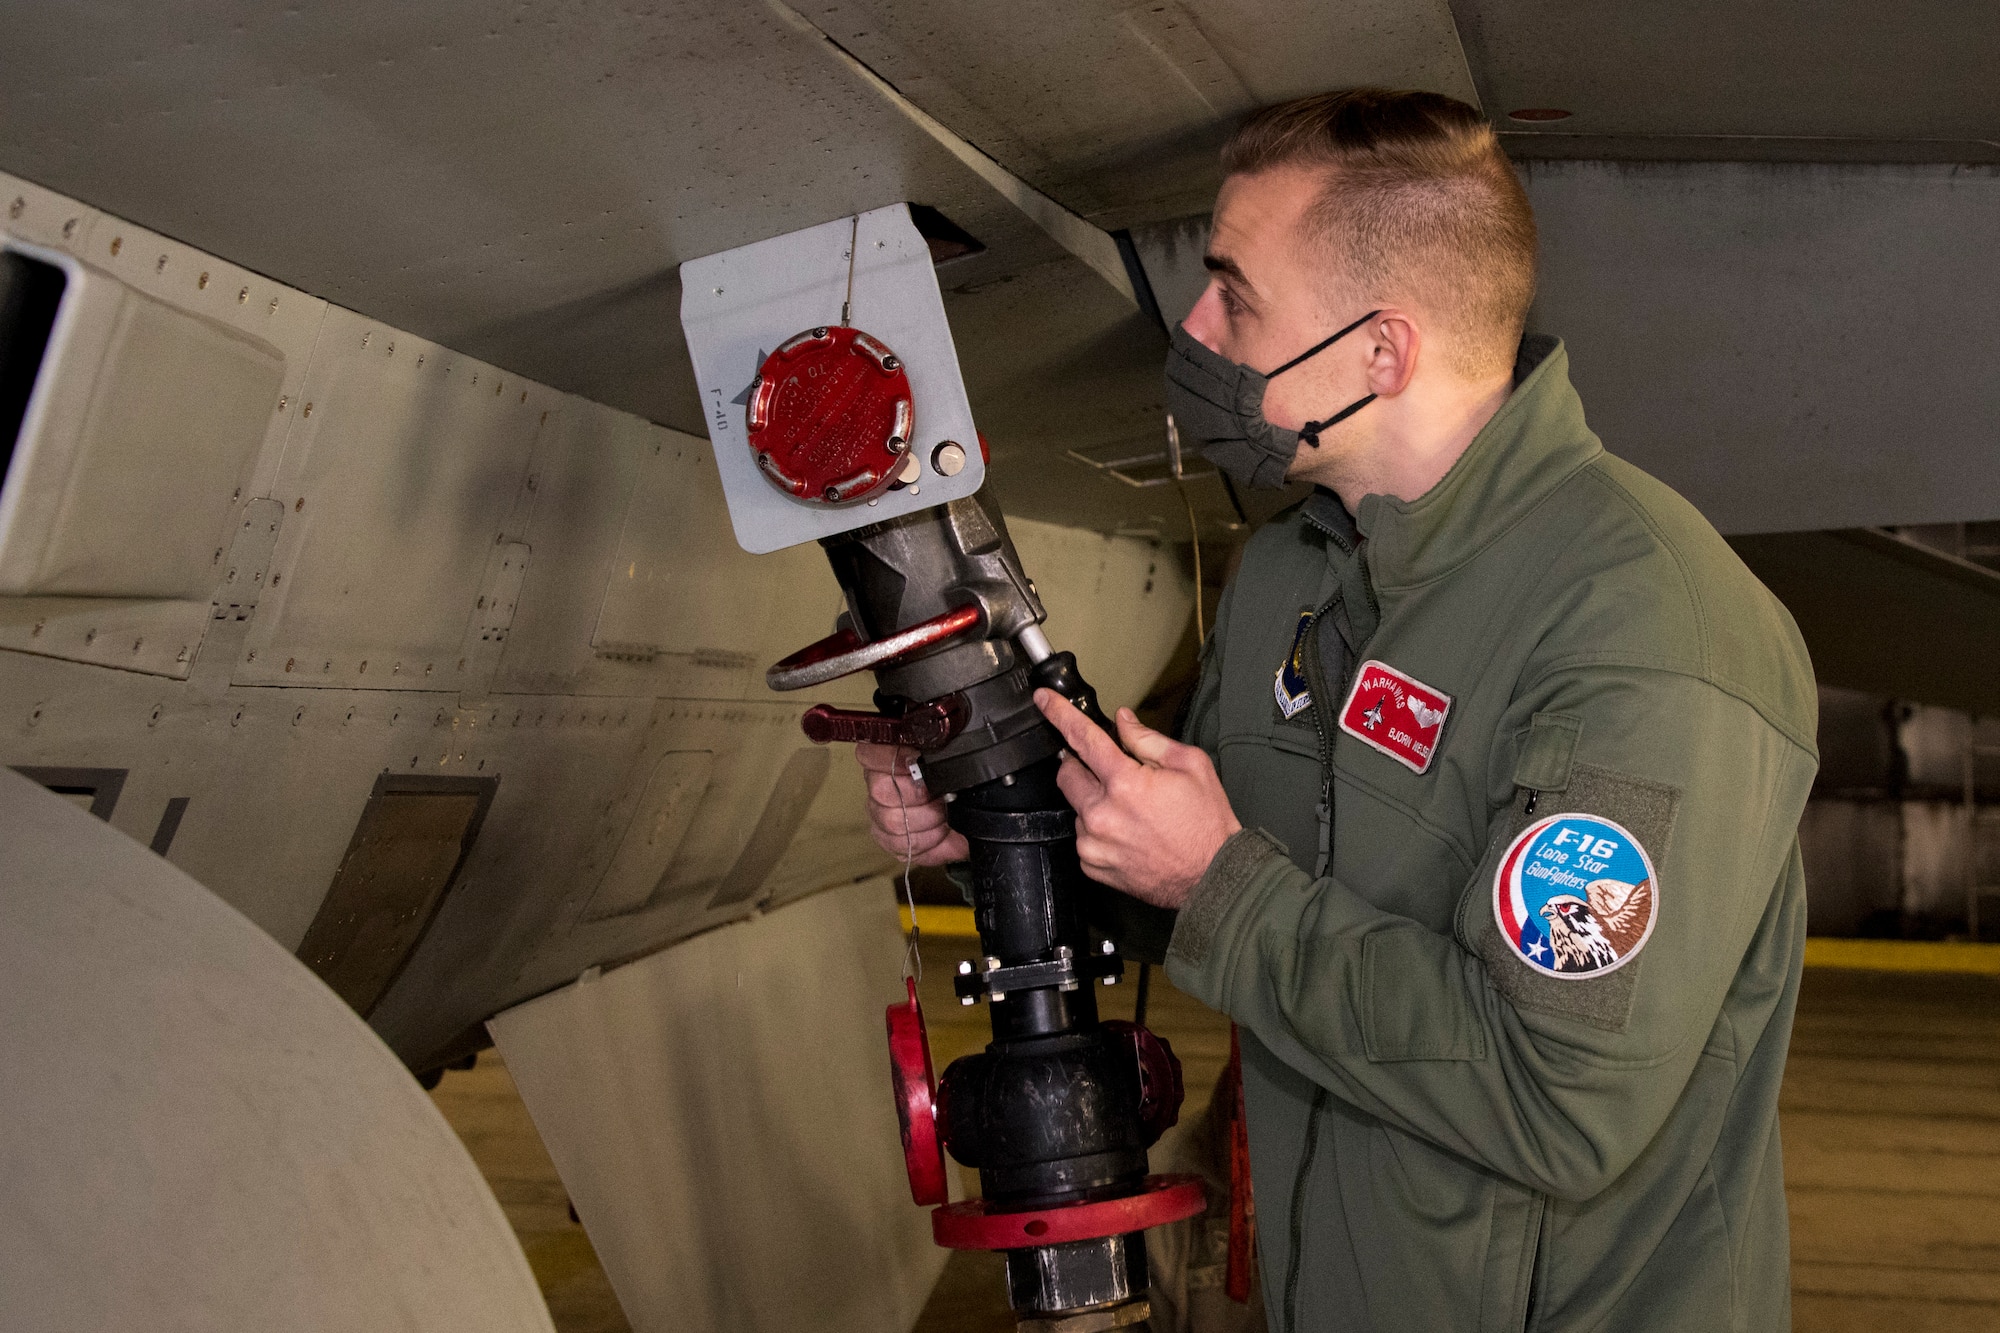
(1593,933)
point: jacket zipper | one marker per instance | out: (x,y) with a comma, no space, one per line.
(1321,701)
(1368,586)
(1535,1267)
(1316,680)
(1298,1218)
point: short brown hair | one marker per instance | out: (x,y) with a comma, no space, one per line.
(1419,199)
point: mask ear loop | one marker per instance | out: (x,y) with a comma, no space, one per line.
(1310,431)
(1322,345)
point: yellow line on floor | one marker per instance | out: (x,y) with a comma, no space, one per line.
(944,922)
(1904,956)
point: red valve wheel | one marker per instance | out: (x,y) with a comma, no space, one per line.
(831,416)
(972,1225)
(916,1100)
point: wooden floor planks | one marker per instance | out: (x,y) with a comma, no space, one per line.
(1891,1123)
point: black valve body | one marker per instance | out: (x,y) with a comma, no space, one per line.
(1048,1113)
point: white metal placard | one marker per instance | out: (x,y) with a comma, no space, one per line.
(740,305)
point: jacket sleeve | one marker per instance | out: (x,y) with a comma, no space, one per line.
(1554,1082)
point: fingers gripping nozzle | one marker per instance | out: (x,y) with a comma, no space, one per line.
(1058,672)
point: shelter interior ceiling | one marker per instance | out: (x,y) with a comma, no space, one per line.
(1781,79)
(521,183)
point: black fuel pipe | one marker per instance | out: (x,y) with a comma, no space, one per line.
(1049,1112)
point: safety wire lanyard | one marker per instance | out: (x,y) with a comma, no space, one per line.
(1140,995)
(1194,539)
(853,249)
(913,959)
(1194,527)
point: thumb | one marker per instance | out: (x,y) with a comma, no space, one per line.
(1141,741)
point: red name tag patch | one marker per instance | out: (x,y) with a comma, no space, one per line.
(1395,714)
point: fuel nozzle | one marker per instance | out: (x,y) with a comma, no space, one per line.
(1058,1111)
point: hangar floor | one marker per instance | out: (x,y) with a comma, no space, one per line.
(1891,1128)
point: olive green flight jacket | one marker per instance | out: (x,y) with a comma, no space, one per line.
(1442,1136)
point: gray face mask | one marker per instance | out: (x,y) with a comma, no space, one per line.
(1218,407)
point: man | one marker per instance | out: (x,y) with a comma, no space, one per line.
(1487,837)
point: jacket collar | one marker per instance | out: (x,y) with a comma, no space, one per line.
(1535,442)
(1324,511)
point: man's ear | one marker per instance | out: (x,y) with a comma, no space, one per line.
(1395,343)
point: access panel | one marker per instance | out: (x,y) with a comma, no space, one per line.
(405,856)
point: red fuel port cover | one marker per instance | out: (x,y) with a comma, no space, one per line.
(831,416)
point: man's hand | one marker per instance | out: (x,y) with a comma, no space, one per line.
(1148,822)
(907,821)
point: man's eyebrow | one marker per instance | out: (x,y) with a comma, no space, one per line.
(1223,264)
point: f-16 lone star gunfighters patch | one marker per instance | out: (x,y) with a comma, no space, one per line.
(1291,688)
(1396,714)
(1575,896)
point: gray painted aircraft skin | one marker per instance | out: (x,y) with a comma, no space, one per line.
(453,684)
(370,564)
(428,574)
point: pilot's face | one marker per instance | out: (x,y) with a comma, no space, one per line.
(1271,295)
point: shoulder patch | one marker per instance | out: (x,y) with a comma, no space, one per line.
(1575,896)
(1396,714)
(1292,691)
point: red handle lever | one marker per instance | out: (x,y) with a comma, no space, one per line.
(845,652)
(925,727)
